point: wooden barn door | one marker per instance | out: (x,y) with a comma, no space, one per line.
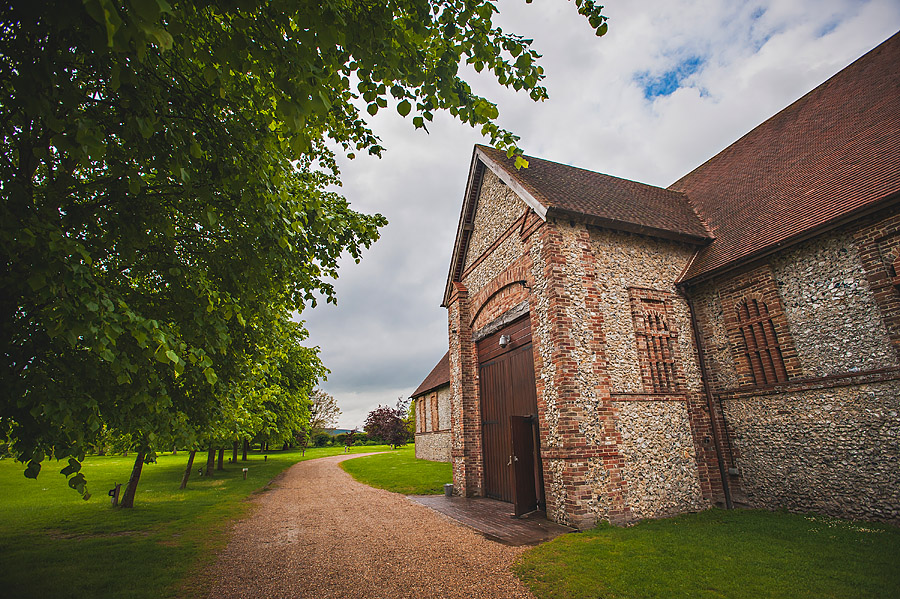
(508,400)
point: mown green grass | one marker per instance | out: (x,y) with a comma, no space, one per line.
(54,544)
(717,553)
(399,471)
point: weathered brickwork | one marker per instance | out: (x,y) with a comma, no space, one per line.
(625,427)
(577,420)
(505,291)
(826,439)
(778,362)
(465,412)
(830,308)
(498,208)
(660,469)
(834,450)
(433,439)
(572,280)
(878,243)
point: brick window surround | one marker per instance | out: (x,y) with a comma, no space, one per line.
(656,340)
(759,340)
(896,267)
(420,417)
(433,400)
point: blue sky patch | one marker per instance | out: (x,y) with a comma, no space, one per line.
(666,83)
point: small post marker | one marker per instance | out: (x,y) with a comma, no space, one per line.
(245,473)
(114,494)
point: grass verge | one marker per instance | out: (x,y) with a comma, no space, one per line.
(53,544)
(400,472)
(717,553)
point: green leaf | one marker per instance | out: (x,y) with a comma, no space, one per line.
(149,10)
(211,377)
(372,109)
(37,281)
(73,467)
(33,469)
(404,107)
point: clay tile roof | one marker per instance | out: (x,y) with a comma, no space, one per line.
(605,200)
(438,377)
(828,156)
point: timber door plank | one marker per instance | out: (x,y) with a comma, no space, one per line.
(522,447)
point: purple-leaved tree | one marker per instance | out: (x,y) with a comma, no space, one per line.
(388,424)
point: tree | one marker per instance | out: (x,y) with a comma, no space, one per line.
(323,411)
(388,424)
(409,421)
(166,172)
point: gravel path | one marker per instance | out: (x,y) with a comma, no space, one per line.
(317,533)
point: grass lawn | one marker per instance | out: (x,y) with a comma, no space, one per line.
(54,544)
(400,472)
(717,553)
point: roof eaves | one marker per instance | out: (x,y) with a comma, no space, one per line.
(620,225)
(463,229)
(421,392)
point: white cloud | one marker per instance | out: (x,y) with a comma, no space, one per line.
(388,330)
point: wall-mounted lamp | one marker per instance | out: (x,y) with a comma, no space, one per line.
(504,340)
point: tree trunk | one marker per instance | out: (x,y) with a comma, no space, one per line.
(284,447)
(234,448)
(131,489)
(220,466)
(187,471)
(174,450)
(246,448)
(210,461)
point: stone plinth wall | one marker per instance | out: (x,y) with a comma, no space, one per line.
(433,446)
(834,450)
(660,468)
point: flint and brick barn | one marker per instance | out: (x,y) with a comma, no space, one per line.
(432,405)
(620,351)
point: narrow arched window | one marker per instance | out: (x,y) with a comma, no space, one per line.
(760,340)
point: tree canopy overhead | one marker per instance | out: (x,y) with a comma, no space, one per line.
(165,170)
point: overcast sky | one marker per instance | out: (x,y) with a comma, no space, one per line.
(671,84)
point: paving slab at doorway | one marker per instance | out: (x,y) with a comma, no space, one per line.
(494,519)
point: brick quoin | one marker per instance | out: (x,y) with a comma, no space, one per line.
(468,475)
